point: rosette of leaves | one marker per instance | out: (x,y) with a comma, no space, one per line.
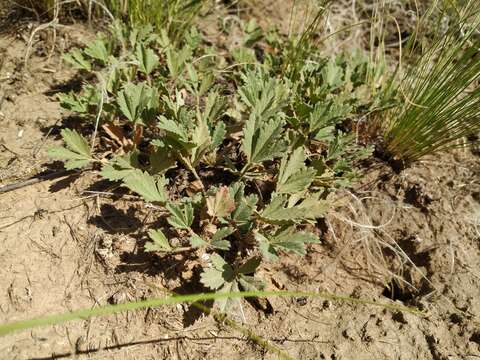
(173,113)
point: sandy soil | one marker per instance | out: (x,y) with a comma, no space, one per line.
(65,248)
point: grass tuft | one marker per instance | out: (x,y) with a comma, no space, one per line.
(440,96)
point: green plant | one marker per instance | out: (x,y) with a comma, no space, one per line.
(8,328)
(439,98)
(174,16)
(161,112)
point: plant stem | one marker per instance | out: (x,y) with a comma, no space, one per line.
(190,167)
(181,249)
(244,171)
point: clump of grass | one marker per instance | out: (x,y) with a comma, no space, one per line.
(174,16)
(440,97)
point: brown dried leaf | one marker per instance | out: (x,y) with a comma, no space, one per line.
(116,133)
(194,187)
(221,204)
(138,134)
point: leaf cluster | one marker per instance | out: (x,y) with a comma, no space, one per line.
(167,110)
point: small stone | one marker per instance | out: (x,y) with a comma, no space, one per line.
(348,333)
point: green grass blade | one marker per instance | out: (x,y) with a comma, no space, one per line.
(85,314)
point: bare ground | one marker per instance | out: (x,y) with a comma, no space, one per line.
(65,248)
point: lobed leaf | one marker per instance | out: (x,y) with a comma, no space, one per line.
(147,59)
(262,139)
(77,154)
(133,100)
(181,215)
(220,205)
(149,187)
(120,167)
(218,241)
(98,50)
(159,242)
(294,176)
(289,240)
(309,209)
(76,59)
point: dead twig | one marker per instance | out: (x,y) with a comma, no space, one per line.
(37,179)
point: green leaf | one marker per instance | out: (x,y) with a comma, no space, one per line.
(76,142)
(222,277)
(161,159)
(80,104)
(176,60)
(76,59)
(221,244)
(218,274)
(293,175)
(311,208)
(149,187)
(147,59)
(72,159)
(265,96)
(133,100)
(120,167)
(249,283)
(250,266)
(159,242)
(176,135)
(214,107)
(263,139)
(218,241)
(212,278)
(196,241)
(314,206)
(275,212)
(253,33)
(245,205)
(326,114)
(218,135)
(77,154)
(98,50)
(326,134)
(332,74)
(181,215)
(288,240)
(266,248)
(201,139)
(226,304)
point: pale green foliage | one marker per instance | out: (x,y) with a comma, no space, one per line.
(287,239)
(80,104)
(265,96)
(149,187)
(223,277)
(146,58)
(278,211)
(181,215)
(218,239)
(133,100)
(263,139)
(294,176)
(75,58)
(120,167)
(77,152)
(98,50)
(181,136)
(174,17)
(176,60)
(159,242)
